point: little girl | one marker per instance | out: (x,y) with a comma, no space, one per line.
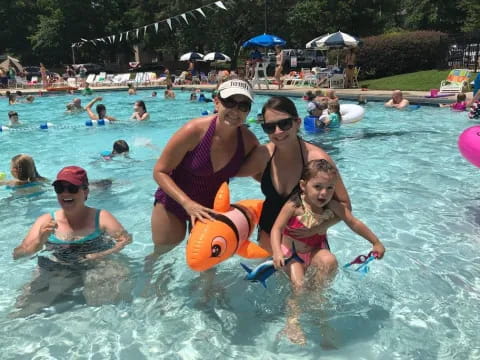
(334,118)
(460,105)
(27,180)
(309,208)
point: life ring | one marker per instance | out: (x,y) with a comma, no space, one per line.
(99,122)
(45,126)
(469,144)
(214,241)
(4,128)
(351,113)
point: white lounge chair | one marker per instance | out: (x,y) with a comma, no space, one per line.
(458,80)
(90,79)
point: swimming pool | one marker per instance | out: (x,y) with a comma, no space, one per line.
(407,182)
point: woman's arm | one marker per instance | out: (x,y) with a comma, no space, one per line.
(36,237)
(288,210)
(357,226)
(255,162)
(110,225)
(91,114)
(142,117)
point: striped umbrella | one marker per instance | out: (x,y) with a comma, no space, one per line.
(191,56)
(216,56)
(337,40)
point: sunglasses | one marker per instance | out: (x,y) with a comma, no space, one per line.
(243,106)
(70,188)
(284,125)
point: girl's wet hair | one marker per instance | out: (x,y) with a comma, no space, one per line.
(141,103)
(313,167)
(100,108)
(461,97)
(120,146)
(26,169)
(281,104)
(334,107)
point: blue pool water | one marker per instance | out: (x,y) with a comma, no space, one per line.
(407,182)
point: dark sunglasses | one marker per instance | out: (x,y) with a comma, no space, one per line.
(284,125)
(243,106)
(70,188)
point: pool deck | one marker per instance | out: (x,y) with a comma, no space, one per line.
(415,97)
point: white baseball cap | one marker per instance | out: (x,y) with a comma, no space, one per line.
(235,87)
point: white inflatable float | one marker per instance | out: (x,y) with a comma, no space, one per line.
(351,113)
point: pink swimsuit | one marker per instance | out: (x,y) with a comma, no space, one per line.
(307,220)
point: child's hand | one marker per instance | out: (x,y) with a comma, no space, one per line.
(278,260)
(379,249)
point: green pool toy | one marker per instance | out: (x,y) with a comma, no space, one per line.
(252,120)
(2,175)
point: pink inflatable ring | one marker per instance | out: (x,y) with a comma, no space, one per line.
(469,145)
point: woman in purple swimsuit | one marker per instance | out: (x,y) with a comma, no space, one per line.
(199,157)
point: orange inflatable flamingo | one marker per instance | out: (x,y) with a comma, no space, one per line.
(215,241)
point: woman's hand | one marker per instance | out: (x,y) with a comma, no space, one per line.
(278,260)
(379,249)
(46,230)
(198,212)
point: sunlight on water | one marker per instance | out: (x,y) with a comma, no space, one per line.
(407,182)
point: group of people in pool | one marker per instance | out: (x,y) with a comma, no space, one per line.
(304,194)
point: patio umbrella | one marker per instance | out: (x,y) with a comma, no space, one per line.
(10,61)
(216,56)
(338,40)
(191,56)
(264,40)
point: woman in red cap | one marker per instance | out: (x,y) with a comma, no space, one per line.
(73,236)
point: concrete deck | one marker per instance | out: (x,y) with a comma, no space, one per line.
(415,97)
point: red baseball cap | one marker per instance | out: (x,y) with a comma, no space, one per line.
(73,174)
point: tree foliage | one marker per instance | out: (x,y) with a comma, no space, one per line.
(44,30)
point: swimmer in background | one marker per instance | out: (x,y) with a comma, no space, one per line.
(29,99)
(12,99)
(311,205)
(140,111)
(397,101)
(362,100)
(87,90)
(75,106)
(193,96)
(13,119)
(120,147)
(131,90)
(169,93)
(154,94)
(26,179)
(460,105)
(333,118)
(101,110)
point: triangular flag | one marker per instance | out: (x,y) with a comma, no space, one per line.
(93,42)
(126,36)
(169,22)
(201,12)
(144,30)
(220,5)
(85,40)
(113,37)
(121,36)
(137,33)
(156,28)
(184,16)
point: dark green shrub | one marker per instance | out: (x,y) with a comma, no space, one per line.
(399,53)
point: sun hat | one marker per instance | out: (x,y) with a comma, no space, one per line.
(235,87)
(73,174)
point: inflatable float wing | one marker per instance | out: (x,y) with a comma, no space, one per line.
(215,241)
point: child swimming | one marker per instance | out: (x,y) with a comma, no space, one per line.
(460,105)
(120,147)
(334,118)
(27,180)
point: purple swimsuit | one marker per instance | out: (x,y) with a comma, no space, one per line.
(195,176)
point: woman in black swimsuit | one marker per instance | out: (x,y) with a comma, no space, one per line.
(278,165)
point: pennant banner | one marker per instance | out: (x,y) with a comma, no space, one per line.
(111,38)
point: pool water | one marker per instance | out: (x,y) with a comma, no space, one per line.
(407,182)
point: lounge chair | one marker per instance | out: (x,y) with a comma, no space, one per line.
(337,81)
(99,80)
(90,78)
(458,80)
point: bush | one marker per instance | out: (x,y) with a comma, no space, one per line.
(399,53)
